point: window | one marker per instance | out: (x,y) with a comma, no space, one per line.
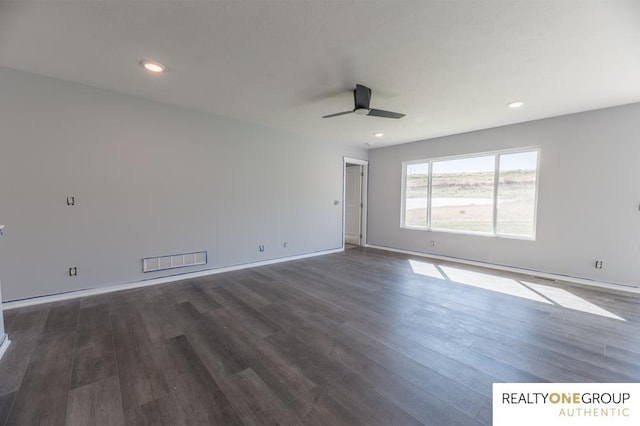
(490,194)
(517,194)
(462,194)
(416,195)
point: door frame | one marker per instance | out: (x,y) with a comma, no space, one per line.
(363,179)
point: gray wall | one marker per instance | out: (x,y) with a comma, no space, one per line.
(589,193)
(149,180)
(2,333)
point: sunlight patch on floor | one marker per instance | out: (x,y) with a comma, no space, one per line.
(427,269)
(523,289)
(491,282)
(569,300)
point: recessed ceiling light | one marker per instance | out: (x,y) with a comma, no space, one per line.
(515,104)
(378,134)
(153,66)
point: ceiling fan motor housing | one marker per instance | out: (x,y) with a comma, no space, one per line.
(361,97)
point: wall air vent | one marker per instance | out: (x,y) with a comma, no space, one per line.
(151,264)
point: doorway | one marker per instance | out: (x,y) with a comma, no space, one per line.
(355,202)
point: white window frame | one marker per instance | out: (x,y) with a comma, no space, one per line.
(497,155)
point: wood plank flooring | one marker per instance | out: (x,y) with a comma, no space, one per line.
(360,337)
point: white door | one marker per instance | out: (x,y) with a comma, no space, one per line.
(353,205)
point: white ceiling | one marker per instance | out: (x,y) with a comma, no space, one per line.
(451,66)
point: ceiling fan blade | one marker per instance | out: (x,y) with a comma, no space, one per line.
(386,114)
(362,96)
(337,114)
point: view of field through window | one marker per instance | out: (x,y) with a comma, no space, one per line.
(462,194)
(416,193)
(517,193)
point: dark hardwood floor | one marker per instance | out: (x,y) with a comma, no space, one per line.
(360,337)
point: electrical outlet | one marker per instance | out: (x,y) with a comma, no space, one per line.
(285,244)
(73,271)
(598,264)
(432,243)
(71,201)
(261,248)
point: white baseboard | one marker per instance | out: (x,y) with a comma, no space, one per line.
(155,281)
(4,344)
(540,274)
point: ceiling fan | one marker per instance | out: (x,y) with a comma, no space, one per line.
(361,100)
